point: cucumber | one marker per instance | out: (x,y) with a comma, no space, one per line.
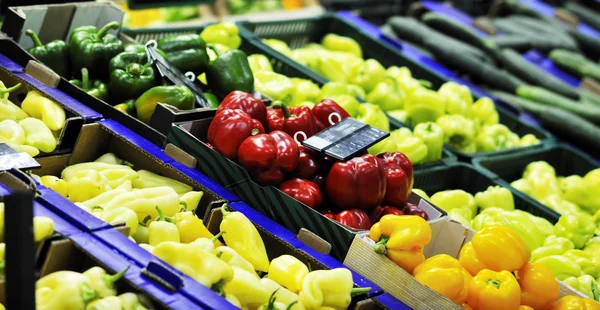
(589,45)
(589,98)
(575,63)
(517,42)
(531,73)
(549,98)
(586,15)
(409,29)
(458,31)
(508,27)
(569,126)
(479,70)
(540,26)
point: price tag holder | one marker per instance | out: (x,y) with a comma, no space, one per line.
(10,158)
(174,75)
(345,139)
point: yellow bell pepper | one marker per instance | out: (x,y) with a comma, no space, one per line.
(43,227)
(241,235)
(64,290)
(445,275)
(246,288)
(12,132)
(231,257)
(288,272)
(142,233)
(106,303)
(145,201)
(107,196)
(9,110)
(118,176)
(85,185)
(193,261)
(162,231)
(40,107)
(206,244)
(500,248)
(539,288)
(147,179)
(282,294)
(575,303)
(190,200)
(103,283)
(121,215)
(68,173)
(55,184)
(328,288)
(402,239)
(191,228)
(38,135)
(492,290)
(468,259)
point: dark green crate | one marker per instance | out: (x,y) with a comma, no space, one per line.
(468,178)
(299,32)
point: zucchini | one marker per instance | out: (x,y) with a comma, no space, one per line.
(575,63)
(586,15)
(409,29)
(531,73)
(517,42)
(540,26)
(479,70)
(508,27)
(549,98)
(589,45)
(589,98)
(458,31)
(565,124)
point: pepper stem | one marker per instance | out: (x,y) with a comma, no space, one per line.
(380,247)
(145,221)
(110,280)
(272,299)
(494,283)
(104,30)
(284,109)
(34,38)
(217,236)
(9,90)
(94,208)
(135,69)
(184,204)
(85,79)
(224,210)
(161,215)
(291,305)
(88,294)
(359,290)
(218,288)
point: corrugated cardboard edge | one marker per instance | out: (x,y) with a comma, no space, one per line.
(42,73)
(180,155)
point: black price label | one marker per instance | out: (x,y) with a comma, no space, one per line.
(345,139)
(10,159)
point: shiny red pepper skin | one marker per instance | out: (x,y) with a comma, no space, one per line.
(357,183)
(329,215)
(413,209)
(380,211)
(229,128)
(399,177)
(347,218)
(269,156)
(323,109)
(246,102)
(362,219)
(308,164)
(291,121)
(304,191)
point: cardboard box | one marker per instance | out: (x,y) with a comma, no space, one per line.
(268,200)
(108,136)
(448,237)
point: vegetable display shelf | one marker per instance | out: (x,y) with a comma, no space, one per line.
(472,180)
(297,33)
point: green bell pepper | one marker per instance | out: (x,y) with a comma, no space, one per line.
(424,105)
(560,266)
(369,74)
(593,246)
(459,131)
(178,96)
(414,148)
(277,86)
(335,42)
(584,194)
(401,115)
(93,49)
(590,264)
(495,196)
(186,52)
(496,137)
(373,115)
(213,101)
(259,62)
(349,103)
(127,107)
(450,199)
(462,215)
(95,88)
(304,91)
(331,89)
(387,95)
(130,76)
(433,137)
(528,139)
(458,98)
(543,225)
(225,33)
(524,226)
(585,284)
(404,79)
(228,72)
(578,228)
(54,54)
(553,245)
(390,144)
(140,48)
(485,112)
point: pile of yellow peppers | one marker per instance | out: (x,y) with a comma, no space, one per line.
(493,270)
(34,126)
(232,270)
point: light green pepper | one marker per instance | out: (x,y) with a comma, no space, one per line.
(278,87)
(585,284)
(577,228)
(590,264)
(459,131)
(450,199)
(387,95)
(584,194)
(496,137)
(38,135)
(336,42)
(259,62)
(373,115)
(495,196)
(458,98)
(561,266)
(277,45)
(369,74)
(485,112)
(553,245)
(462,215)
(413,148)
(424,105)
(304,91)
(433,137)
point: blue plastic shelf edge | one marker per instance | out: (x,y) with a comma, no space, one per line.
(548,10)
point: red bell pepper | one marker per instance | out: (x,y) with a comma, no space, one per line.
(322,113)
(413,209)
(380,211)
(357,183)
(355,218)
(304,191)
(268,156)
(229,128)
(399,177)
(292,121)
(308,164)
(329,215)
(246,102)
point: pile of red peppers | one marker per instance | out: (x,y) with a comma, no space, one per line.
(266,141)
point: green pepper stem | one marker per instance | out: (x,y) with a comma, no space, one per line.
(88,294)
(214,50)
(94,208)
(359,290)
(425,83)
(380,247)
(135,69)
(394,82)
(272,299)
(161,215)
(9,90)
(224,210)
(494,283)
(110,280)
(291,305)
(34,38)
(104,30)
(184,204)
(217,236)
(85,79)
(145,221)
(218,288)
(284,110)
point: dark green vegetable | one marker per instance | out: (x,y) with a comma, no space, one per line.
(530,73)
(55,54)
(517,42)
(94,88)
(548,98)
(130,76)
(589,45)
(506,26)
(589,98)
(575,63)
(212,100)
(187,52)
(586,15)
(539,26)
(93,48)
(230,71)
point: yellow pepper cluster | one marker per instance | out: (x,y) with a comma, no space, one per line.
(34,126)
(232,270)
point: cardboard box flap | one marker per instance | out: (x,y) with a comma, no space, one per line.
(447,237)
(42,73)
(315,242)
(180,155)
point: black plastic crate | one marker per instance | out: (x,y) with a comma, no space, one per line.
(471,180)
